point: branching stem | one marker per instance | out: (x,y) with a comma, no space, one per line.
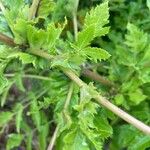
(122,114)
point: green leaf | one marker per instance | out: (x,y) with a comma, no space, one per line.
(19,111)
(35,113)
(5,93)
(36,38)
(44,39)
(29,137)
(137,96)
(85,37)
(119,99)
(19,30)
(27,58)
(97,16)
(44,131)
(121,133)
(19,82)
(54,34)
(140,143)
(93,25)
(14,140)
(3,83)
(136,39)
(5,117)
(75,140)
(45,103)
(96,53)
(45,8)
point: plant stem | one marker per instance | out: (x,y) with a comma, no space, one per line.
(31,76)
(52,142)
(7,40)
(51,145)
(101,100)
(125,116)
(75,21)
(41,54)
(122,114)
(68,96)
(33,9)
(2,7)
(95,76)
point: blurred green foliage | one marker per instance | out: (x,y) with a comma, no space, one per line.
(33,90)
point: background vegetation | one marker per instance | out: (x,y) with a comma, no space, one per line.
(107,45)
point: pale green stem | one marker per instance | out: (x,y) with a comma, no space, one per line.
(75,21)
(67,102)
(53,139)
(31,76)
(33,9)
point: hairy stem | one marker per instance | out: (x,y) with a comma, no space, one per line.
(33,9)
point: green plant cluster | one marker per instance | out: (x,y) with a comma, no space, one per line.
(39,101)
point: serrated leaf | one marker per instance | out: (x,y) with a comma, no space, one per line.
(19,30)
(85,37)
(27,58)
(93,25)
(54,33)
(136,38)
(96,53)
(98,16)
(13,141)
(44,39)
(36,38)
(45,7)
(103,127)
(75,140)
